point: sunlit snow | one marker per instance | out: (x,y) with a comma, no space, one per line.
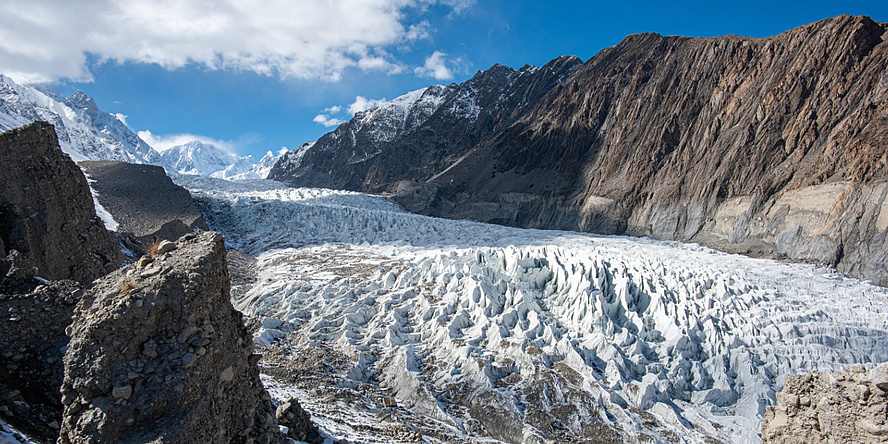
(438,309)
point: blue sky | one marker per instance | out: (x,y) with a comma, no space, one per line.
(258,75)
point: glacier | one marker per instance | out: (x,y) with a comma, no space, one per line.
(504,334)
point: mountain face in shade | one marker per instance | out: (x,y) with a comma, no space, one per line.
(773,147)
(421,133)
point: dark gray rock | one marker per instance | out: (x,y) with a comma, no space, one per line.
(144,200)
(164,357)
(382,146)
(298,422)
(33,320)
(46,209)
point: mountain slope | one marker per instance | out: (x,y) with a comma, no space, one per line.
(774,147)
(85,132)
(422,132)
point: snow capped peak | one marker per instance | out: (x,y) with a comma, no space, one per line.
(85,132)
(196,157)
(82,101)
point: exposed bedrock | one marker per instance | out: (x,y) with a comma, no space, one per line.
(851,406)
(46,209)
(158,353)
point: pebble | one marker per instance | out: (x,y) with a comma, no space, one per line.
(122,391)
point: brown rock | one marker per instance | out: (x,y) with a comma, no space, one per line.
(46,209)
(209,396)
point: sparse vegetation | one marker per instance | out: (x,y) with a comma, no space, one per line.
(152,250)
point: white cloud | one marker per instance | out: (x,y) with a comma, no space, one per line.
(121,118)
(282,151)
(162,143)
(43,40)
(362,103)
(327,121)
(435,67)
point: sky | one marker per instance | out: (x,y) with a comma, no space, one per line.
(254,76)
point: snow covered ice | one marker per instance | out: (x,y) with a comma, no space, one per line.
(538,334)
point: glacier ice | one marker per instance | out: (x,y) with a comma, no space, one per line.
(652,338)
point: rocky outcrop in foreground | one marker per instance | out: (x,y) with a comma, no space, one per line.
(33,318)
(158,353)
(143,200)
(46,209)
(851,406)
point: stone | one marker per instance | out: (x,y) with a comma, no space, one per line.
(291,415)
(122,392)
(165,247)
(846,411)
(172,406)
(879,377)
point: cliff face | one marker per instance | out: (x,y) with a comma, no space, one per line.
(851,406)
(774,147)
(46,209)
(144,200)
(418,135)
(157,352)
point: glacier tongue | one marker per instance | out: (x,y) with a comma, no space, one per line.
(541,334)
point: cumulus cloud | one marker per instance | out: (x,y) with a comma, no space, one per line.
(327,120)
(362,103)
(162,143)
(435,67)
(42,40)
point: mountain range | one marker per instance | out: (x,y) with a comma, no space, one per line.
(87,133)
(772,147)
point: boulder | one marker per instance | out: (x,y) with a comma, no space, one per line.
(162,356)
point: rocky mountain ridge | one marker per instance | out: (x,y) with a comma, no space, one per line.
(419,134)
(772,147)
(87,133)
(47,211)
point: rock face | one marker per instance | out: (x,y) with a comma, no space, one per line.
(32,343)
(774,147)
(144,200)
(851,406)
(157,353)
(421,133)
(46,209)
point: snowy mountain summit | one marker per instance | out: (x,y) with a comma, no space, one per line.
(85,132)
(88,133)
